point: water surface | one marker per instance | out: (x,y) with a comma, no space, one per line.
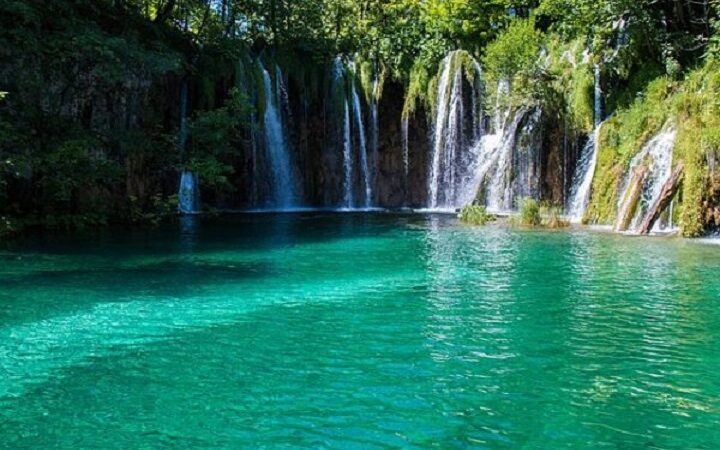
(358,331)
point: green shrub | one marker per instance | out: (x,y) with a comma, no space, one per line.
(529,212)
(515,51)
(475,215)
(161,208)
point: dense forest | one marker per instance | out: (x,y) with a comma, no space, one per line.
(106,104)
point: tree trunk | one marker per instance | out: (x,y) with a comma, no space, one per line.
(632,198)
(666,195)
(165,12)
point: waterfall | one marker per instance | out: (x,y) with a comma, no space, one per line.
(345,88)
(347,159)
(585,169)
(339,88)
(582,179)
(597,95)
(443,109)
(254,195)
(375,129)
(499,166)
(494,150)
(656,155)
(405,129)
(188,191)
(188,194)
(364,172)
(451,170)
(526,164)
(500,150)
(276,144)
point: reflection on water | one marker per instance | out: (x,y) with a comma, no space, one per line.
(359,330)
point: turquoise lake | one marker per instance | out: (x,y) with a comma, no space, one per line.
(358,331)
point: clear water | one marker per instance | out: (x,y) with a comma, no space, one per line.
(358,331)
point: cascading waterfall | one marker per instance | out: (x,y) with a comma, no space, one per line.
(582,180)
(585,169)
(451,177)
(188,194)
(364,171)
(254,153)
(597,95)
(506,161)
(656,156)
(347,158)
(284,195)
(526,164)
(353,127)
(404,130)
(496,150)
(375,129)
(499,150)
(188,191)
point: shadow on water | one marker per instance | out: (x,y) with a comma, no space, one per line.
(136,278)
(40,294)
(197,234)
(48,274)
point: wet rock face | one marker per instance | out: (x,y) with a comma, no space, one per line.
(394,188)
(557,161)
(317,139)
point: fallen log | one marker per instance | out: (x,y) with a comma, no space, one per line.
(666,195)
(631,199)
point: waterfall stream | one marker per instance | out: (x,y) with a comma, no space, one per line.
(374,132)
(347,159)
(362,141)
(499,151)
(188,194)
(585,168)
(284,195)
(404,130)
(453,160)
(353,132)
(582,179)
(188,191)
(597,96)
(656,155)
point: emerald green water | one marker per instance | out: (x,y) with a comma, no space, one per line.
(359,331)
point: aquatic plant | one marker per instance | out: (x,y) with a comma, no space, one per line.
(475,215)
(529,215)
